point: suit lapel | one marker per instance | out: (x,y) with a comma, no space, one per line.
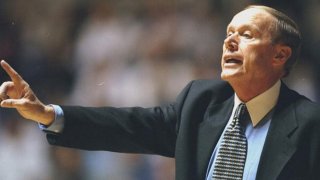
(279,146)
(210,131)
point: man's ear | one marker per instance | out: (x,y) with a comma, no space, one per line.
(283,53)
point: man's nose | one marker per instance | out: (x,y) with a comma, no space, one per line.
(231,42)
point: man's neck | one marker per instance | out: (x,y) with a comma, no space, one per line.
(248,91)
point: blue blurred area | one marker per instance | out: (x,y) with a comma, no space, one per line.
(120,53)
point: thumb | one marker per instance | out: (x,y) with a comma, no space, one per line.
(13,103)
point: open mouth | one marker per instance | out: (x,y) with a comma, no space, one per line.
(233,61)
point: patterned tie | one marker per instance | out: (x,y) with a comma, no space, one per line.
(232,152)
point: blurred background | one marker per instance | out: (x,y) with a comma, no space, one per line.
(120,53)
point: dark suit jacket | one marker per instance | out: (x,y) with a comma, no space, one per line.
(189,129)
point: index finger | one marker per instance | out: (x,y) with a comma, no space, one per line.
(15,77)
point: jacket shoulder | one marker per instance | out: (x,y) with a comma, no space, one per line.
(289,96)
(200,93)
(304,108)
(217,89)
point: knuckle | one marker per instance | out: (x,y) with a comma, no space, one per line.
(6,83)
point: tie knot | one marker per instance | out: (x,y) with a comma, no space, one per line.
(241,112)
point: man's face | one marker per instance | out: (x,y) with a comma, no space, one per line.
(248,51)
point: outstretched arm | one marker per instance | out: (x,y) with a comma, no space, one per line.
(18,94)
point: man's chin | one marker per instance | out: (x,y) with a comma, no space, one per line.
(229,76)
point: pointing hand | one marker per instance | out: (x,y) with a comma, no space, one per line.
(18,94)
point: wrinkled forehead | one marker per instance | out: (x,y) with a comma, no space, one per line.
(258,18)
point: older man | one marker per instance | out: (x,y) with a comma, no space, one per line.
(250,127)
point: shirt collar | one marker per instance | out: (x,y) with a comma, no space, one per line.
(260,105)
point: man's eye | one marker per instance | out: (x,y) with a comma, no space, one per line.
(247,35)
(229,34)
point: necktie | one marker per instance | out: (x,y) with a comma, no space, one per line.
(232,152)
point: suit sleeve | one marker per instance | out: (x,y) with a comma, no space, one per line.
(131,130)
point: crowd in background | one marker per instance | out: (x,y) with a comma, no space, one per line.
(120,53)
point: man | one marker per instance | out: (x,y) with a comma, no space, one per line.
(282,134)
